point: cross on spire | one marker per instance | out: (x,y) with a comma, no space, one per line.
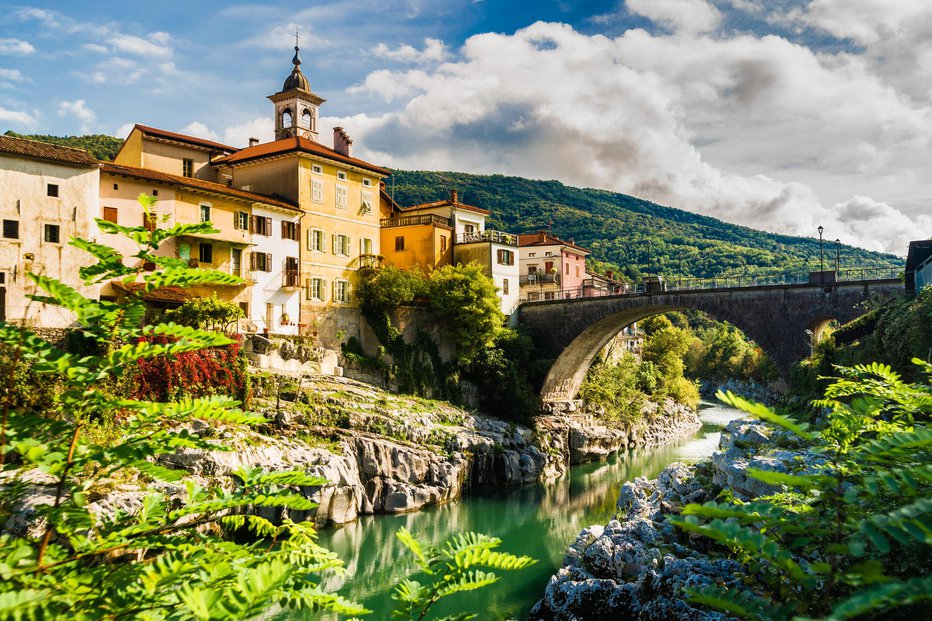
(296,37)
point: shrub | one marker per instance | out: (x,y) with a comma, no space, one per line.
(468,300)
(206,313)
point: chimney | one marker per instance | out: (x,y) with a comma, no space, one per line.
(253,142)
(454,197)
(573,240)
(342,143)
(609,274)
(543,236)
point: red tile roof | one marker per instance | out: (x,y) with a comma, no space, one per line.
(196,184)
(199,142)
(447,203)
(162,294)
(295,145)
(36,150)
(542,238)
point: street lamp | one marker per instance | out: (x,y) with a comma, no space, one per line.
(648,256)
(837,256)
(821,258)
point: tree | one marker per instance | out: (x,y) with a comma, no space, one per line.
(468,300)
(389,287)
(165,559)
(206,313)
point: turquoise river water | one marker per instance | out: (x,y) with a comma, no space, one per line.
(537,520)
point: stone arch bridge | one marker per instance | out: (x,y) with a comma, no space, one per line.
(572,331)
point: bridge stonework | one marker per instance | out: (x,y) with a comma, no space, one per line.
(571,332)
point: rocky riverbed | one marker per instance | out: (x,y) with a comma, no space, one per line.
(639,566)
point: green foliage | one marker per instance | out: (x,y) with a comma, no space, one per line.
(468,300)
(666,349)
(616,388)
(461,564)
(681,243)
(506,374)
(721,352)
(852,534)
(165,558)
(101,146)
(206,313)
(388,287)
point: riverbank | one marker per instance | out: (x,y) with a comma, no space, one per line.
(638,564)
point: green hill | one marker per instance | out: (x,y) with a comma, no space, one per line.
(631,233)
(101,146)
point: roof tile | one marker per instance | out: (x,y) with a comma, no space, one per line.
(295,145)
(34,149)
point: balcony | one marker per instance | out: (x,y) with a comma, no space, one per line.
(429,218)
(291,279)
(497,237)
(369,261)
(539,279)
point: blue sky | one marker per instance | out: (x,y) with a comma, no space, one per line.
(778,114)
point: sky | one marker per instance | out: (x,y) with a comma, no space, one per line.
(782,115)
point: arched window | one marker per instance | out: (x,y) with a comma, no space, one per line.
(286,118)
(306,118)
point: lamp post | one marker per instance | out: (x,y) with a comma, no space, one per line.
(837,256)
(648,256)
(821,258)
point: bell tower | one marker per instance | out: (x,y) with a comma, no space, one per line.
(296,107)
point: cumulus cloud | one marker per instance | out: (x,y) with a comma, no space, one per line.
(434,52)
(281,37)
(16,47)
(753,130)
(17,117)
(678,15)
(10,74)
(78,111)
(237,135)
(154,45)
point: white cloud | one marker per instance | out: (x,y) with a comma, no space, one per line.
(10,74)
(16,47)
(154,45)
(281,37)
(678,15)
(95,47)
(262,128)
(20,118)
(78,111)
(123,130)
(756,131)
(434,52)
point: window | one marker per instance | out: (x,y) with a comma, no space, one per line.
(548,267)
(399,244)
(365,246)
(244,306)
(155,192)
(366,202)
(52,189)
(260,262)
(287,120)
(291,230)
(341,196)
(341,291)
(577,271)
(205,252)
(242,220)
(341,244)
(548,295)
(205,213)
(110,214)
(367,183)
(187,167)
(341,175)
(317,169)
(443,243)
(317,190)
(306,119)
(11,229)
(504,286)
(149,221)
(51,233)
(236,262)
(315,289)
(292,273)
(116,186)
(532,254)
(315,240)
(506,257)
(262,225)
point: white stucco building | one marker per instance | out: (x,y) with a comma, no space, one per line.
(275,270)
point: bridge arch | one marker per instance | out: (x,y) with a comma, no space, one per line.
(571,332)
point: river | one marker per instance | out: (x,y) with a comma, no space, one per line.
(537,520)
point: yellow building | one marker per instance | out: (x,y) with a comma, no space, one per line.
(337,194)
(185,200)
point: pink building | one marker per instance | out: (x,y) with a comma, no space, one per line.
(550,267)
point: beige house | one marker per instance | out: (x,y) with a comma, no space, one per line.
(48,194)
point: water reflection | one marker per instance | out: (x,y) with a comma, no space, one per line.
(536,520)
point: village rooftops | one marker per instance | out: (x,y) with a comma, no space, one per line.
(196,185)
(33,149)
(542,238)
(294,144)
(453,202)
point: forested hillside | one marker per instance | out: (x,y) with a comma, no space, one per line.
(628,232)
(101,146)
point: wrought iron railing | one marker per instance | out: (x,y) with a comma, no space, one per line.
(414,220)
(497,237)
(291,278)
(539,279)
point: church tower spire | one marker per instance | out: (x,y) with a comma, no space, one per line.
(296,106)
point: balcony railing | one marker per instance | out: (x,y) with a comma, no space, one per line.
(540,279)
(428,218)
(497,237)
(370,261)
(291,278)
